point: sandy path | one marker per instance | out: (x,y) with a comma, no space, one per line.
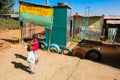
(52,67)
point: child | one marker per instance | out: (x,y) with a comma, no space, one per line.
(31,59)
(35,44)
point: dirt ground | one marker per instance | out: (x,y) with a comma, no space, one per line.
(53,66)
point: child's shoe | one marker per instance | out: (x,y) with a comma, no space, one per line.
(32,72)
(36,62)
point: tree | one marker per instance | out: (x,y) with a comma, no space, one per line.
(6,6)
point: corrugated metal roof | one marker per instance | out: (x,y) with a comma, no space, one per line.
(113,21)
(90,16)
(11,15)
(14,15)
(111,17)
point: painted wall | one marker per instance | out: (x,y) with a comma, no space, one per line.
(94,28)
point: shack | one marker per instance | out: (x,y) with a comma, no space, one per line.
(111,29)
(93,30)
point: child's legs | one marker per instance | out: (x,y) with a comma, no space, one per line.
(36,55)
(32,67)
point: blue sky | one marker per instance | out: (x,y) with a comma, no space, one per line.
(97,7)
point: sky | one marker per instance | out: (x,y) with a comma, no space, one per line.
(96,7)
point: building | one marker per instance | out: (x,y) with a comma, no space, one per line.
(99,28)
(111,28)
(93,26)
(10,16)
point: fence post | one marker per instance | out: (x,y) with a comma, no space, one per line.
(20,36)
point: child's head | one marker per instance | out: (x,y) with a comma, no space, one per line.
(29,48)
(35,36)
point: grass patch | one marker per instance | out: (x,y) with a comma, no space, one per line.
(76,39)
(9,24)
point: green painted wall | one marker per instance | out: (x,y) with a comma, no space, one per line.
(60,29)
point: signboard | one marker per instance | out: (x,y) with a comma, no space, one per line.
(37,14)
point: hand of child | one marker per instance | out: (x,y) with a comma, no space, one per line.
(32,42)
(26,46)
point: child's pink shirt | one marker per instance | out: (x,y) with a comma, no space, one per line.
(36,45)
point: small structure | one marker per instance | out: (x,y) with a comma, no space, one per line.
(94,28)
(60,33)
(111,28)
(9,16)
(105,28)
(56,20)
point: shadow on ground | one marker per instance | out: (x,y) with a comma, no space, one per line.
(20,56)
(11,41)
(21,66)
(29,39)
(110,52)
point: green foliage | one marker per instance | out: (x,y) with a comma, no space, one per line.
(6,6)
(77,38)
(16,12)
(9,24)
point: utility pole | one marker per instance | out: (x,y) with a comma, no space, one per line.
(46,2)
(70,2)
(71,21)
(71,7)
